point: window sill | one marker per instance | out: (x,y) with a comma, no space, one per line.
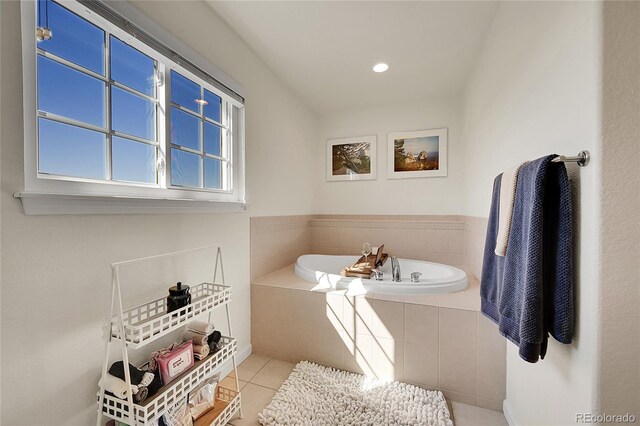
(41,203)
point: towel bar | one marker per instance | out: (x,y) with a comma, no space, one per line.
(582,159)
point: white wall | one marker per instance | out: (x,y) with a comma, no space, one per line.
(536,91)
(439,195)
(55,275)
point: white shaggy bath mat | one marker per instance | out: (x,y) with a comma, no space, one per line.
(317,395)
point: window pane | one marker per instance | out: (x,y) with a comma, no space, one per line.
(211,139)
(133,161)
(185,92)
(70,151)
(132,68)
(213,107)
(73,38)
(212,173)
(185,129)
(186,169)
(70,93)
(132,114)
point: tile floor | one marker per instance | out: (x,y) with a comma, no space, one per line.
(260,377)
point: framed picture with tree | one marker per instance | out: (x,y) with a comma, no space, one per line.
(422,153)
(351,158)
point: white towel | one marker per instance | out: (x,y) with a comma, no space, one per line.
(201,327)
(117,386)
(507,198)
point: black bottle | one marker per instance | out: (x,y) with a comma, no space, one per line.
(179,297)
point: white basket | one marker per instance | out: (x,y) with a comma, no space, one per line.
(233,398)
(152,408)
(150,321)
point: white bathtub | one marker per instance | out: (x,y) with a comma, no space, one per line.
(436,278)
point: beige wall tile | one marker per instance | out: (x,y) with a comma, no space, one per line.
(444,258)
(490,342)
(456,241)
(457,330)
(458,300)
(359,357)
(458,371)
(388,319)
(490,404)
(421,325)
(438,241)
(422,299)
(303,340)
(491,378)
(330,346)
(306,307)
(456,260)
(277,335)
(421,365)
(460,397)
(259,305)
(388,359)
(278,303)
(414,240)
(359,310)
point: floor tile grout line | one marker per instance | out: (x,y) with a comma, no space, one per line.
(259,370)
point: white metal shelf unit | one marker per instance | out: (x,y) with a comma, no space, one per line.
(146,323)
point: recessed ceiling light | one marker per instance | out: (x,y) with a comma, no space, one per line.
(381,67)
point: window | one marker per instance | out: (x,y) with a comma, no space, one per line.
(199,131)
(115,115)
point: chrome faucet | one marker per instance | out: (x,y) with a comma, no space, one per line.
(377,274)
(395,269)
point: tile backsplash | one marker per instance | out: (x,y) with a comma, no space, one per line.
(438,238)
(276,241)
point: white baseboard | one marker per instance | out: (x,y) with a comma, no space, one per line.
(241,355)
(507,413)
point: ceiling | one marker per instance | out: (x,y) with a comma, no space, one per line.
(324,50)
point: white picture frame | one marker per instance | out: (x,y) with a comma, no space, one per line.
(351,164)
(425,147)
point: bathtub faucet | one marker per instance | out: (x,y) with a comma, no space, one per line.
(395,269)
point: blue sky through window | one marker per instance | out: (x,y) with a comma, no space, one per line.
(70,93)
(70,150)
(133,114)
(79,95)
(186,169)
(131,67)
(74,38)
(133,161)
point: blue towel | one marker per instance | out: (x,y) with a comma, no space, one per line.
(529,292)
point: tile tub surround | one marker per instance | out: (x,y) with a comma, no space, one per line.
(277,241)
(435,341)
(434,238)
(475,233)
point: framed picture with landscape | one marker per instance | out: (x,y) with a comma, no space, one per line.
(351,158)
(422,153)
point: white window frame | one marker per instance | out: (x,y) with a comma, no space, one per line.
(47,194)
